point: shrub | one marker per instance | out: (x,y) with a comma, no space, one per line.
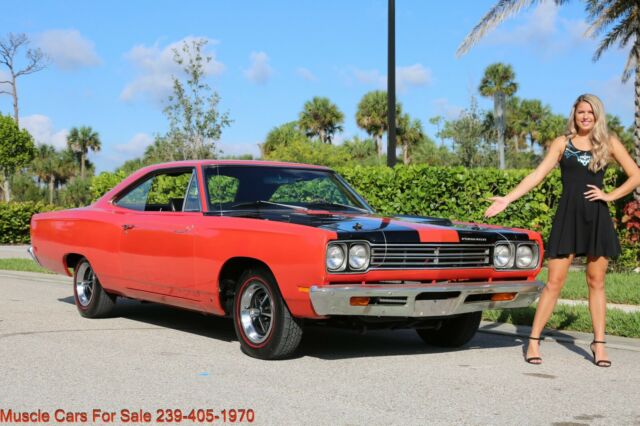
(15,219)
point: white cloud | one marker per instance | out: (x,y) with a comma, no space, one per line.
(412,76)
(617,97)
(68,49)
(136,146)
(259,71)
(544,30)
(42,130)
(370,78)
(306,74)
(155,67)
(447,109)
(406,77)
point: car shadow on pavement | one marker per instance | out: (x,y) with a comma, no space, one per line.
(331,343)
(174,318)
(323,342)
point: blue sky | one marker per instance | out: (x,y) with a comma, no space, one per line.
(111,63)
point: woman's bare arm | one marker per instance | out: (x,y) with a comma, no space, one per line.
(620,154)
(531,180)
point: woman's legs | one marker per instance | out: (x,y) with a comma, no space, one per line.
(596,271)
(558,269)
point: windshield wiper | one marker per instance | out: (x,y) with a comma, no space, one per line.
(345,206)
(259,203)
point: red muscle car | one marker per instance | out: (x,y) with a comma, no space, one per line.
(275,245)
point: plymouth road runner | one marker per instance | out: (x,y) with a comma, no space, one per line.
(277,245)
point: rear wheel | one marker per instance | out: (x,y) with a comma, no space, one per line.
(91,299)
(263,323)
(454,332)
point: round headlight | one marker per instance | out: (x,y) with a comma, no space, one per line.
(502,255)
(359,256)
(335,257)
(524,257)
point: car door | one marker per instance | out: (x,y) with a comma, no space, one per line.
(158,220)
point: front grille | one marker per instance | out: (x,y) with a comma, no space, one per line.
(430,256)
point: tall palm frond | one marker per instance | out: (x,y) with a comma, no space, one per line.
(499,13)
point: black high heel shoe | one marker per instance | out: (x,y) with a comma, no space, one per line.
(601,362)
(535,360)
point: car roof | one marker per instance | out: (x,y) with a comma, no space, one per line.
(196,163)
(192,163)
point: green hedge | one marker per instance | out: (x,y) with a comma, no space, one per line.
(462,194)
(15,219)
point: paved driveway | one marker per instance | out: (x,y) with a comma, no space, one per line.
(152,357)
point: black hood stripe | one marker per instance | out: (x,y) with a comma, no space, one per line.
(379,230)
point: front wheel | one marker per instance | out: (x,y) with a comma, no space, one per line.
(91,299)
(454,332)
(263,323)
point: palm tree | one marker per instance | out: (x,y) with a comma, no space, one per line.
(44,167)
(617,20)
(321,118)
(371,116)
(498,82)
(410,132)
(81,141)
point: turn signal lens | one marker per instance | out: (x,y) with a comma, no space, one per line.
(502,297)
(359,301)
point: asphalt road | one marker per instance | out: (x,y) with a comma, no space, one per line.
(152,357)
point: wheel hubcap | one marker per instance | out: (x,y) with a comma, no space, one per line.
(85,284)
(256,309)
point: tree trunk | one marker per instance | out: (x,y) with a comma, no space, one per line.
(82,161)
(378,140)
(52,180)
(6,187)
(498,104)
(405,154)
(636,131)
(16,115)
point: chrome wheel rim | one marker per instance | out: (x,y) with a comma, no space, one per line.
(256,310)
(85,284)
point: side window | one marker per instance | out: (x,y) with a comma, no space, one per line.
(164,192)
(192,200)
(136,199)
(222,189)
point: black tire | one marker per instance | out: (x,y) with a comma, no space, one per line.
(454,332)
(263,323)
(91,299)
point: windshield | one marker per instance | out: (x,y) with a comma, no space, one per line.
(239,187)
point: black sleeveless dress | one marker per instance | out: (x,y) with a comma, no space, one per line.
(580,226)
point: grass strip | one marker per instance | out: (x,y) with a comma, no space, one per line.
(575,318)
(26,265)
(620,287)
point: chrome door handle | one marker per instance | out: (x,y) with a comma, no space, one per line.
(184,230)
(126,227)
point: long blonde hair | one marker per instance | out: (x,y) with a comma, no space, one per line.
(599,135)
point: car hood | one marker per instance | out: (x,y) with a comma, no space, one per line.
(398,229)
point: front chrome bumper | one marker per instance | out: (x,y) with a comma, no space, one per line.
(421,300)
(32,252)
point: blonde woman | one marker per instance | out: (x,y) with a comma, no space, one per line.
(582,225)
